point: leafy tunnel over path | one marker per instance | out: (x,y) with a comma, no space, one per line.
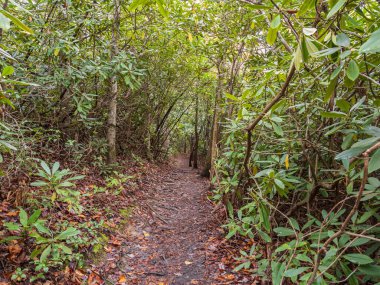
(276,101)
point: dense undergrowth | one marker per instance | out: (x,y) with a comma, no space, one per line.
(302,178)
(280,98)
(65,221)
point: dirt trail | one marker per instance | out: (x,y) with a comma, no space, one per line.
(165,240)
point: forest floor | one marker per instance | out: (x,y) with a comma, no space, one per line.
(172,236)
(159,228)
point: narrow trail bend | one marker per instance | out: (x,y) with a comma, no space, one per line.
(165,241)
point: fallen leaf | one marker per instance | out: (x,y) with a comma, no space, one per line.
(122,279)
(14,250)
(94,279)
(79,276)
(108,249)
(115,241)
(12,214)
(230,277)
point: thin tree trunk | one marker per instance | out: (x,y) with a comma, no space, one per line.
(112,107)
(209,169)
(215,123)
(196,135)
(148,137)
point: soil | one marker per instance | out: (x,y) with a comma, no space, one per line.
(167,237)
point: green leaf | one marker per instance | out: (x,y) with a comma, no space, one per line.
(12,226)
(6,54)
(45,167)
(164,12)
(65,249)
(311,47)
(333,114)
(347,271)
(374,163)
(66,184)
(358,242)
(372,45)
(23,217)
(370,269)
(342,40)
(326,52)
(295,271)
(5,23)
(9,238)
(309,31)
(230,209)
(358,258)
(279,183)
(278,269)
(264,172)
(357,148)
(304,258)
(298,58)
(277,129)
(35,252)
(283,247)
(136,3)
(366,143)
(34,217)
(336,8)
(8,70)
(17,22)
(353,70)
(231,233)
(347,154)
(283,232)
(231,97)
(42,229)
(45,254)
(264,236)
(78,177)
(343,105)
(16,82)
(264,216)
(306,5)
(38,183)
(358,104)
(241,266)
(258,6)
(271,36)
(330,89)
(8,145)
(276,22)
(55,167)
(294,223)
(70,232)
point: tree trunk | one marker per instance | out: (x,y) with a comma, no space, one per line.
(191,151)
(112,107)
(215,127)
(196,135)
